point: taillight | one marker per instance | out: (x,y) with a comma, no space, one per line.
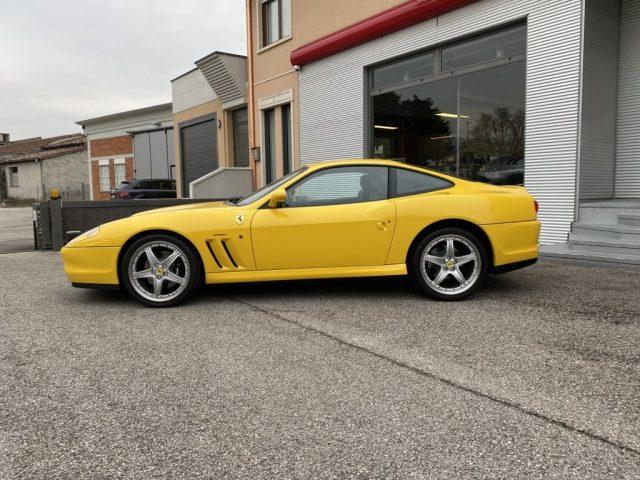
(535,205)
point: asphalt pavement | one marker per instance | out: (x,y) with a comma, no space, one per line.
(16,229)
(536,376)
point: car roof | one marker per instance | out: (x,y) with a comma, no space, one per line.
(153,179)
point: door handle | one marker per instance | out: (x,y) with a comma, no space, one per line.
(381,225)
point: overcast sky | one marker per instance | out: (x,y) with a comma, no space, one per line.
(67,60)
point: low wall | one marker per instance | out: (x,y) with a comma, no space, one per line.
(57,220)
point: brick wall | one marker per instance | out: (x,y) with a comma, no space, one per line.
(104,147)
(95,177)
(107,147)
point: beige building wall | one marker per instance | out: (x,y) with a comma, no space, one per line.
(271,73)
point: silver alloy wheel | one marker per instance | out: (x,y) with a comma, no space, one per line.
(450,264)
(159,271)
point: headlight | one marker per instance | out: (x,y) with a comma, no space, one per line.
(88,234)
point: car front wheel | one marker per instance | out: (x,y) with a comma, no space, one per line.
(160,270)
(448,264)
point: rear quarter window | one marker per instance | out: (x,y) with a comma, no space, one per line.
(408,182)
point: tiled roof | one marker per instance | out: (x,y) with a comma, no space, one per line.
(41,148)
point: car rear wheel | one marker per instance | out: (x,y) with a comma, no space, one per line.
(160,270)
(448,264)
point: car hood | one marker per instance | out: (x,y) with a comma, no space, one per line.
(190,206)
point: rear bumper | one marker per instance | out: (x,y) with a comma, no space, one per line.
(91,265)
(513,243)
(510,267)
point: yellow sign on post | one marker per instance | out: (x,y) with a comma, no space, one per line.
(55,194)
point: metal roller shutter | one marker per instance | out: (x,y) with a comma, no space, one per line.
(199,150)
(628,141)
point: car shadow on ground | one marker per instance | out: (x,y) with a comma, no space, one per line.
(391,288)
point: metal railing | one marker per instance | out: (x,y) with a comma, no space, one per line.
(225,182)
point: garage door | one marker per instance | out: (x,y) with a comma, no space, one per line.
(199,149)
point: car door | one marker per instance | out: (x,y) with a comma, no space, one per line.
(335,217)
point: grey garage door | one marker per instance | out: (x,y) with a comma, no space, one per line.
(199,149)
(153,151)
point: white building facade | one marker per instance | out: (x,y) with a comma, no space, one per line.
(544,93)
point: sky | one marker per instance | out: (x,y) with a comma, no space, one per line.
(67,60)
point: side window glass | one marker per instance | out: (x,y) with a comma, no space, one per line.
(408,182)
(340,185)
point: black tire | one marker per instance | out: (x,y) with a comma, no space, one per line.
(414,264)
(191,260)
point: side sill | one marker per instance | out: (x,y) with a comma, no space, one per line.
(510,267)
(98,286)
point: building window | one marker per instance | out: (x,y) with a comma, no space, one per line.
(413,68)
(275,20)
(485,49)
(105,178)
(119,174)
(287,139)
(240,138)
(13,177)
(468,120)
(269,130)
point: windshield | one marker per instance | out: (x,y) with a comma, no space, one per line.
(266,190)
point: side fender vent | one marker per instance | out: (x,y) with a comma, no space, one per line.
(224,254)
(226,249)
(213,254)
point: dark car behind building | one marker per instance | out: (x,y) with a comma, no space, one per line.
(150,188)
(503,171)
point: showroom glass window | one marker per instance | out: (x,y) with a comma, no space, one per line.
(459,109)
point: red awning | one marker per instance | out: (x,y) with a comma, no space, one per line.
(387,21)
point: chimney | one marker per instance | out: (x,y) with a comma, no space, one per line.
(4,138)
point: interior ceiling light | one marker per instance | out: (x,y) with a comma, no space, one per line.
(451,115)
(385,127)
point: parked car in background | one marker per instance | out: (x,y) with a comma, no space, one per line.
(150,188)
(503,171)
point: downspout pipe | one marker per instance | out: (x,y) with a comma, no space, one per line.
(250,93)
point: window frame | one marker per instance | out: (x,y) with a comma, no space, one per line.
(438,73)
(269,141)
(107,177)
(263,23)
(14,177)
(287,137)
(240,144)
(119,166)
(331,167)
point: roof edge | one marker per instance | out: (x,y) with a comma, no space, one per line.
(218,52)
(126,113)
(377,25)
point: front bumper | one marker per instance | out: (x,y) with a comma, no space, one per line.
(91,265)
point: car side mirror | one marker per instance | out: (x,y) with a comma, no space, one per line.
(277,197)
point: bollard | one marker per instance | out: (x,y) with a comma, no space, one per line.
(57,235)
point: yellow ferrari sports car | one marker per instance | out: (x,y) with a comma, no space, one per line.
(349,218)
